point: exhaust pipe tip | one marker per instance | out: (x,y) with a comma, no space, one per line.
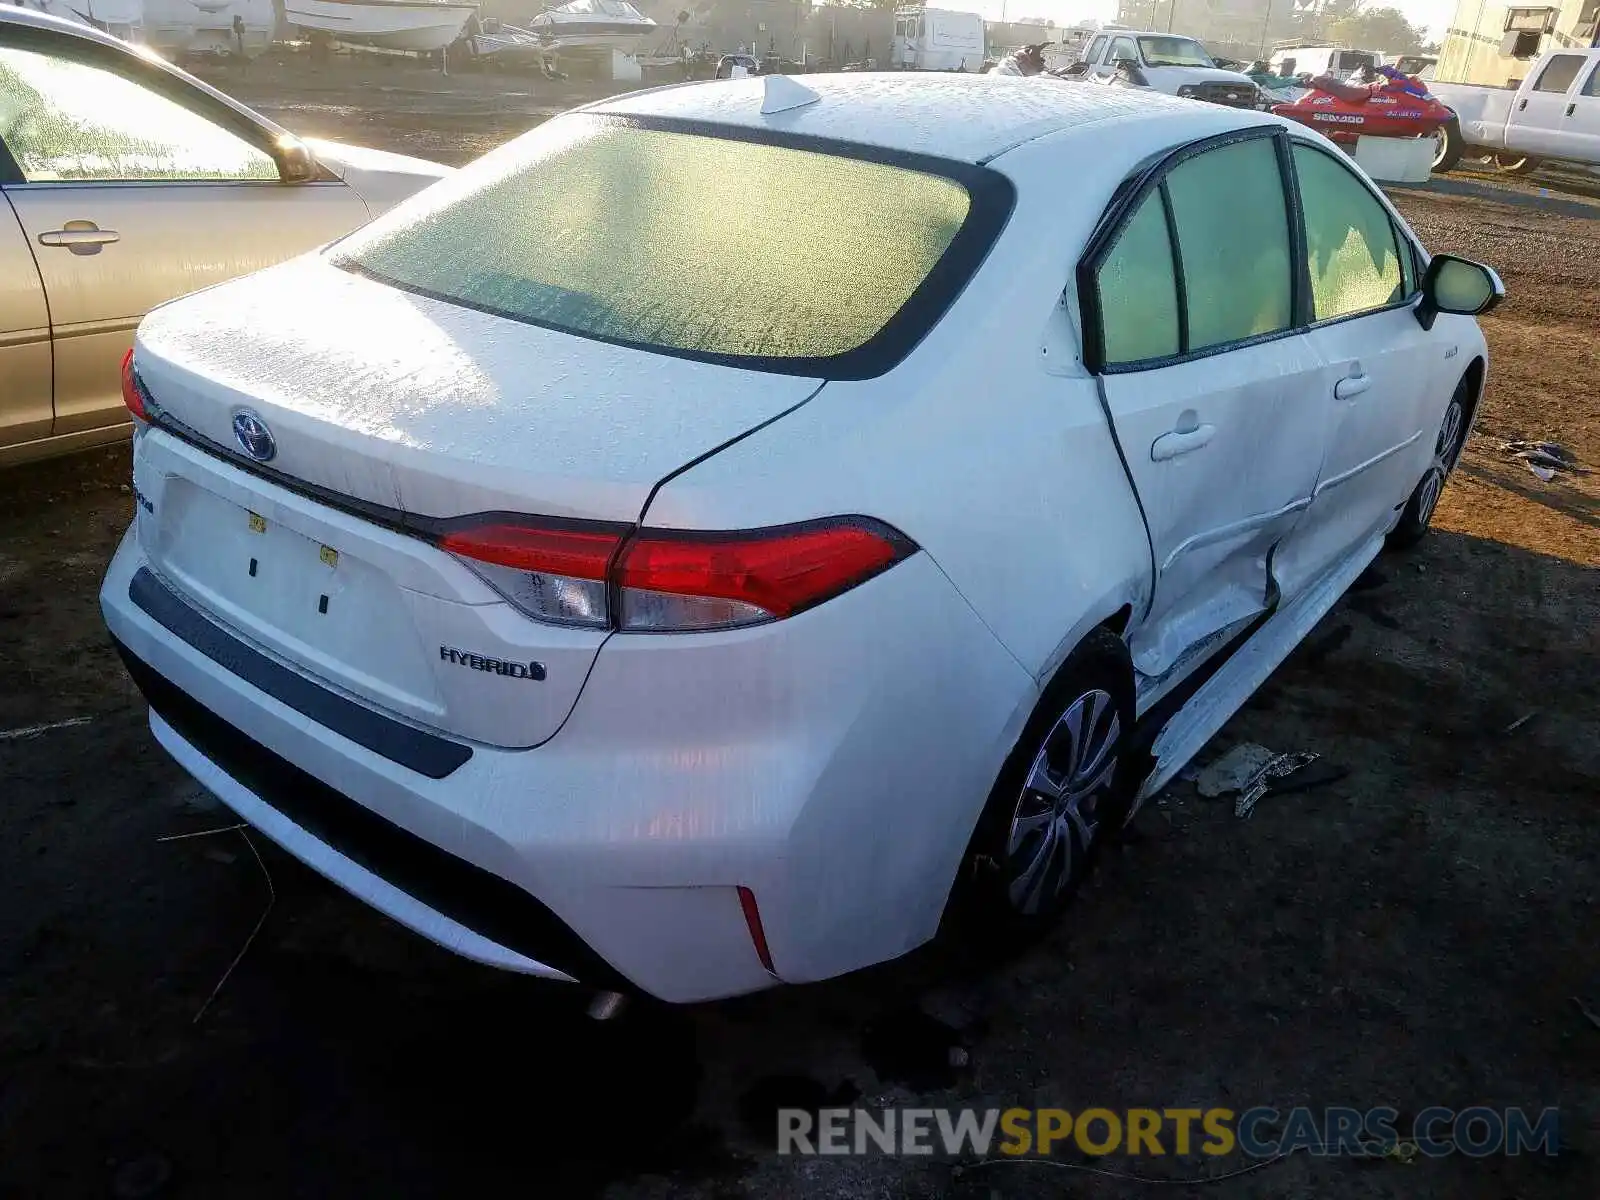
(607,1005)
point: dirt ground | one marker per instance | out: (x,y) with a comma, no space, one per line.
(1413,934)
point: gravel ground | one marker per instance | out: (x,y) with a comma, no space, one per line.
(1412,934)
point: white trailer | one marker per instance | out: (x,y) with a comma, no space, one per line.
(937,39)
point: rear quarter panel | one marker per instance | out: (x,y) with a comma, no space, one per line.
(1482,112)
(987,445)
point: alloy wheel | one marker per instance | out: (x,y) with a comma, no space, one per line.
(1059,811)
(1444,456)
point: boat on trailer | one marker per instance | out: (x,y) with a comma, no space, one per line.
(418,26)
(594,24)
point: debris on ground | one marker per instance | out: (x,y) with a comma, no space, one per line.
(1281,767)
(1233,770)
(1544,459)
(31,731)
(1520,721)
(1255,771)
(1277,775)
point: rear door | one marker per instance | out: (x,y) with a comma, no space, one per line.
(1384,380)
(1582,129)
(1539,119)
(24,339)
(1212,391)
(133,188)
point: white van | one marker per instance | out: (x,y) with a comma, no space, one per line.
(937,39)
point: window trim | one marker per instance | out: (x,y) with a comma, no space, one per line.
(156,77)
(1152,177)
(992,198)
(1402,243)
(1135,191)
(1577,72)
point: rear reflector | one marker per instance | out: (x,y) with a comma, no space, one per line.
(662,580)
(758,935)
(132,390)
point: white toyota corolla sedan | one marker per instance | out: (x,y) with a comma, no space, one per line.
(605,613)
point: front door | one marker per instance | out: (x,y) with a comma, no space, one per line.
(1383,374)
(1212,392)
(24,339)
(132,189)
(1539,119)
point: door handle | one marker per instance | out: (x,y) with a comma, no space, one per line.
(1522,104)
(1351,386)
(80,237)
(1571,106)
(1170,445)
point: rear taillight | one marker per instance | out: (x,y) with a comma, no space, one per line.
(661,580)
(132,390)
(552,571)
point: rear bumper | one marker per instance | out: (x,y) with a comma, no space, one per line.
(833,764)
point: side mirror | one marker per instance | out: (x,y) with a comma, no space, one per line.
(1459,286)
(296,162)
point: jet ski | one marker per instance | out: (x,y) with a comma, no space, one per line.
(1389,105)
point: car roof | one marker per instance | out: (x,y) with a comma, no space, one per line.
(968,118)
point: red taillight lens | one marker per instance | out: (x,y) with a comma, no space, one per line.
(668,580)
(132,391)
(579,553)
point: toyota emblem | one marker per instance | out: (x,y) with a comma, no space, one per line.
(253,436)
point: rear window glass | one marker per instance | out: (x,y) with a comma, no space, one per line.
(766,255)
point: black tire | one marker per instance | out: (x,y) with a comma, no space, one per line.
(1418,514)
(1511,163)
(1031,849)
(1450,148)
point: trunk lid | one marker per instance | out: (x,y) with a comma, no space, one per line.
(410,408)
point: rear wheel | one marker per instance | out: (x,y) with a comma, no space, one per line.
(1511,163)
(1419,508)
(1061,792)
(1447,146)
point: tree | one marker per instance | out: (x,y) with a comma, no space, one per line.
(1382,29)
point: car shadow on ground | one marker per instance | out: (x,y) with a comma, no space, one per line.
(1411,934)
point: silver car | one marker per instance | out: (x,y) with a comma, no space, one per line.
(128,182)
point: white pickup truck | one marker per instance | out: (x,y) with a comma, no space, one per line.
(1163,62)
(1554,114)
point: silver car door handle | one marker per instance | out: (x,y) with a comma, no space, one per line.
(1351,387)
(80,237)
(1170,445)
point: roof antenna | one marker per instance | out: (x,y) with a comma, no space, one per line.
(783,93)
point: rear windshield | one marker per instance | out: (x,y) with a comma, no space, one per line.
(775,256)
